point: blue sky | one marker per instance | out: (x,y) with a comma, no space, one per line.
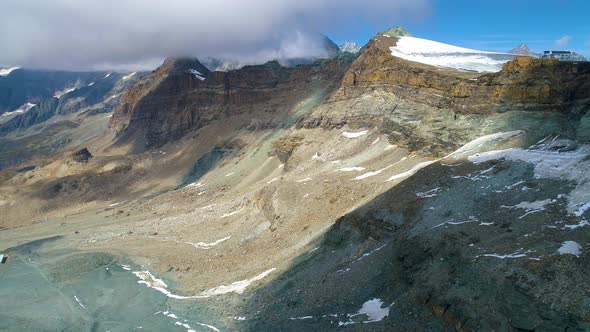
(498,25)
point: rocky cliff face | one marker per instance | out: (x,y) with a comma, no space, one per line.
(526,83)
(435,110)
(171,102)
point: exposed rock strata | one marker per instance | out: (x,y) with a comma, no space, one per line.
(525,83)
(171,102)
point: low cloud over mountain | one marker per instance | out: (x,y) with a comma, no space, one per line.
(133,34)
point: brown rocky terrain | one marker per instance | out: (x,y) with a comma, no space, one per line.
(171,102)
(526,83)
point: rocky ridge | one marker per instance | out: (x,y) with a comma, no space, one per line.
(171,102)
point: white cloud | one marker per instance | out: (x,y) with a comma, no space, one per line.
(86,34)
(563,41)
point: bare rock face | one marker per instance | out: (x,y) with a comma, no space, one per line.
(526,83)
(173,100)
(82,156)
(182,96)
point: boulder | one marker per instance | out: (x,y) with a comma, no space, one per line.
(82,156)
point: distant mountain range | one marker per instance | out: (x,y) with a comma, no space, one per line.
(29,96)
(523,49)
(350,47)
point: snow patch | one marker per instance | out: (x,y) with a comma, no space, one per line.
(518,254)
(197,74)
(60,93)
(22,109)
(374,311)
(80,303)
(7,71)
(233,213)
(582,223)
(482,141)
(531,207)
(236,287)
(428,194)
(377,172)
(411,171)
(570,165)
(148,279)
(348,134)
(585,207)
(452,222)
(570,248)
(207,246)
(128,76)
(351,169)
(475,176)
(186,325)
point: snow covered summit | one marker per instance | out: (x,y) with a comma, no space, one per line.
(350,47)
(444,55)
(523,49)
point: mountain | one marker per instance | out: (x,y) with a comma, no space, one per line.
(191,104)
(396,32)
(408,187)
(59,105)
(523,49)
(72,96)
(19,86)
(350,47)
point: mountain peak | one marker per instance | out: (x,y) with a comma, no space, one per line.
(397,32)
(522,49)
(182,66)
(350,47)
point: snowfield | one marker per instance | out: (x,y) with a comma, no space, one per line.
(148,279)
(569,165)
(7,71)
(444,55)
(23,109)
